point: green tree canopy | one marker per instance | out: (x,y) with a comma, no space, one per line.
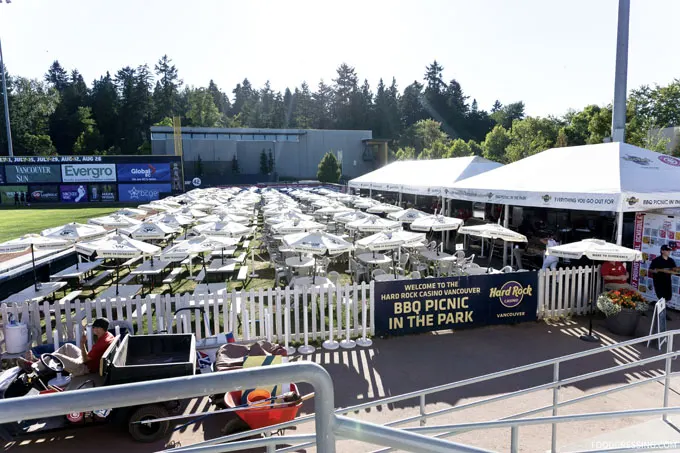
(329,168)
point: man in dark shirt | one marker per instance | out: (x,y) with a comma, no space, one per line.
(661,269)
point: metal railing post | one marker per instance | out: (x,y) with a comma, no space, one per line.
(422,410)
(514,439)
(667,380)
(556,389)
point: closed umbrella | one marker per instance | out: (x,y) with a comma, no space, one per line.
(317,243)
(595,250)
(33,241)
(117,246)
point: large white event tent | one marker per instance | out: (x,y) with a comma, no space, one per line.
(423,177)
(604,177)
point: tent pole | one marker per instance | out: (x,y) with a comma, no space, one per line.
(506,223)
(400,198)
(619,228)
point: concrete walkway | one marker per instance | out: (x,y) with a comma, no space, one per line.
(399,365)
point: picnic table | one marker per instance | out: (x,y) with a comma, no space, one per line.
(124,292)
(151,269)
(227,251)
(30,294)
(219,267)
(77,271)
(306,282)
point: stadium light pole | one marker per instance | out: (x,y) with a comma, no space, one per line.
(10,151)
(621,73)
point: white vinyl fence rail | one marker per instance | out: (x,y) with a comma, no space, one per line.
(270,313)
(254,314)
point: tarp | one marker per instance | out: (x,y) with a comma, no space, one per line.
(602,177)
(423,177)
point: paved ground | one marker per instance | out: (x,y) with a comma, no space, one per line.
(399,365)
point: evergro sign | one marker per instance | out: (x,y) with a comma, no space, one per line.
(88,172)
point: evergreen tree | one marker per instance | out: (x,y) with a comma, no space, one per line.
(264,165)
(234,165)
(57,76)
(271,165)
(329,169)
(166,92)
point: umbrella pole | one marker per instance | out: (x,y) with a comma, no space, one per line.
(314,272)
(35,275)
(488,264)
(222,255)
(117,277)
(590,338)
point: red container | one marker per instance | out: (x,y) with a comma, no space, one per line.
(260,417)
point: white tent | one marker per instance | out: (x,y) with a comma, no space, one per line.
(423,177)
(604,177)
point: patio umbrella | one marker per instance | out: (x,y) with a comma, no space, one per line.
(171,219)
(191,213)
(317,243)
(33,241)
(436,223)
(407,215)
(233,211)
(132,212)
(351,216)
(75,232)
(390,240)
(287,216)
(492,231)
(373,224)
(595,250)
(153,207)
(150,231)
(117,246)
(114,221)
(230,229)
(332,210)
(198,245)
(297,226)
(383,208)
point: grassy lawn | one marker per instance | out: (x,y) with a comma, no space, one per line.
(17,222)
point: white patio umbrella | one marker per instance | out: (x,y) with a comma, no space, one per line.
(332,209)
(317,243)
(233,211)
(373,224)
(436,223)
(407,215)
(595,250)
(198,245)
(191,213)
(154,207)
(150,231)
(492,231)
(75,232)
(351,216)
(114,221)
(286,217)
(117,246)
(171,219)
(132,212)
(383,208)
(295,226)
(387,240)
(33,241)
(229,229)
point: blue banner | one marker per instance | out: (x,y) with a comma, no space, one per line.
(73,193)
(142,192)
(143,172)
(415,306)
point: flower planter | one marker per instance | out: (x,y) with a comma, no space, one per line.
(623,323)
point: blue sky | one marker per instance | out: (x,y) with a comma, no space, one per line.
(552,54)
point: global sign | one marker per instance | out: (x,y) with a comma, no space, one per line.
(143,172)
(32,173)
(88,172)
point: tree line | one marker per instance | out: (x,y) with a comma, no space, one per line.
(428,119)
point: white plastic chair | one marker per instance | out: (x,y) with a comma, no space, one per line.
(415,275)
(506,269)
(334,277)
(460,256)
(377,272)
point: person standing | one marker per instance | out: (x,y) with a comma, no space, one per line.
(549,261)
(16,198)
(661,269)
(23,199)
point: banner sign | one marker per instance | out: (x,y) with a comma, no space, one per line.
(44,193)
(7,193)
(88,172)
(142,192)
(143,172)
(47,159)
(651,232)
(102,192)
(74,194)
(416,306)
(32,173)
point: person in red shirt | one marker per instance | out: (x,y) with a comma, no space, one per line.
(79,361)
(614,274)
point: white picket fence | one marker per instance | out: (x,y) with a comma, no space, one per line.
(266,313)
(566,291)
(254,314)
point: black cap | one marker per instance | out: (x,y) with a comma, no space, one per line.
(101,322)
(665,248)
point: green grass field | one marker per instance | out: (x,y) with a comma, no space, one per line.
(17,222)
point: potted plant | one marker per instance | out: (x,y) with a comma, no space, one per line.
(623,308)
